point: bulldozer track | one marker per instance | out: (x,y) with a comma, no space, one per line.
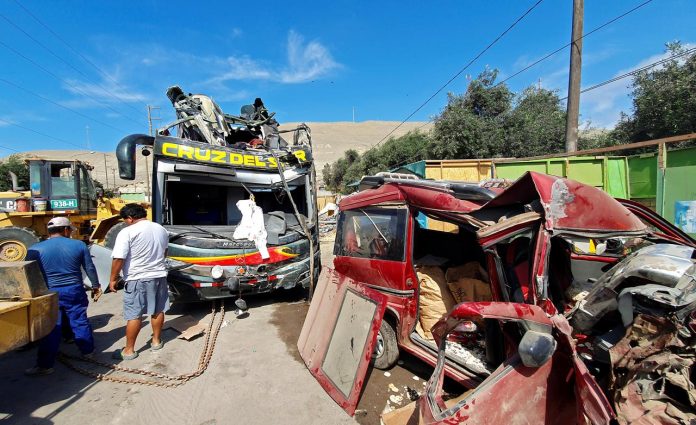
(161,380)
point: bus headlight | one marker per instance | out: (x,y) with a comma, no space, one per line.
(216,272)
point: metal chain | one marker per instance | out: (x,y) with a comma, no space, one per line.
(166,381)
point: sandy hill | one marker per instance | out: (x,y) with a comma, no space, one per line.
(330,140)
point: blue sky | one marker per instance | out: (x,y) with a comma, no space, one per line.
(98,64)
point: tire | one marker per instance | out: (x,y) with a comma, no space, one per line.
(386,348)
(15,242)
(110,238)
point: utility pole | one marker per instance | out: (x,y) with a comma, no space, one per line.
(89,148)
(106,172)
(573,107)
(353,114)
(150,118)
(113,173)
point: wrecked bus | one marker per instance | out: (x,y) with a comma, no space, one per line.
(548,300)
(238,200)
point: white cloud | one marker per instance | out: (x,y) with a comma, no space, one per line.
(141,71)
(19,118)
(108,91)
(305,62)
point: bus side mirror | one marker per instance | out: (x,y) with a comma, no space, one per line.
(125,153)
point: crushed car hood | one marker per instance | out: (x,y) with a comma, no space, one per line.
(570,205)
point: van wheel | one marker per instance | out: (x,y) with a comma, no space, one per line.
(110,237)
(386,348)
(15,242)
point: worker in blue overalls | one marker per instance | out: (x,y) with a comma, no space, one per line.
(61,259)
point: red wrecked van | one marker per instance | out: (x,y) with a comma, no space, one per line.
(546,299)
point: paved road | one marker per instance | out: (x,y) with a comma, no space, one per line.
(252,378)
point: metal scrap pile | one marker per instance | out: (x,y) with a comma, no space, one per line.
(653,373)
(327,221)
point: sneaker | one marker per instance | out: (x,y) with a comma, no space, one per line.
(38,371)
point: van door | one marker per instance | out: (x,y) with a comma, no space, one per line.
(338,335)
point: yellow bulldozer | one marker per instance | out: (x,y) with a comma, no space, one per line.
(56,188)
(28,311)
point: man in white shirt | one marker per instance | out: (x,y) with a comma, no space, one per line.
(139,255)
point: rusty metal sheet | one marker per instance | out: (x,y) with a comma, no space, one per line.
(652,380)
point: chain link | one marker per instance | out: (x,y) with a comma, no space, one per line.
(163,380)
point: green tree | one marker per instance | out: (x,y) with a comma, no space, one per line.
(14,163)
(664,100)
(333,175)
(536,125)
(471,125)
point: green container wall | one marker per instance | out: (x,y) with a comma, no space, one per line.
(642,172)
(607,173)
(681,157)
(648,185)
(679,186)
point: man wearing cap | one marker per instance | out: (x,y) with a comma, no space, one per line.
(139,255)
(61,260)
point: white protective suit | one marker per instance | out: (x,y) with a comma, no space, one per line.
(251,226)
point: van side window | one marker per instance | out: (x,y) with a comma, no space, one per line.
(371,233)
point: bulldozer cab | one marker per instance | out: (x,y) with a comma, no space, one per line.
(66,185)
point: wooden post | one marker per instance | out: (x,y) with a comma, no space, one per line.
(573,106)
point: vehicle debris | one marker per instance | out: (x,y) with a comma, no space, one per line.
(652,373)
(525,297)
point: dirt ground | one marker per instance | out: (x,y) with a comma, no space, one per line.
(252,378)
(255,375)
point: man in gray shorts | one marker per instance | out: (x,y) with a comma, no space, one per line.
(139,255)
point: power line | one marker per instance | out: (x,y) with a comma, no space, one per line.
(20,54)
(69,64)
(636,71)
(40,133)
(596,86)
(553,53)
(460,72)
(611,21)
(61,106)
(9,149)
(102,72)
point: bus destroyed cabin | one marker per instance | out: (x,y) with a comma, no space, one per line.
(237,199)
(550,301)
